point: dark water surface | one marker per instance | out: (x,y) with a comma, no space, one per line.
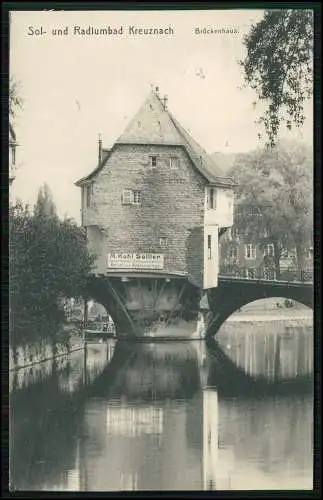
(234,414)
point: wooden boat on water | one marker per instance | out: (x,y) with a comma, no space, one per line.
(99,330)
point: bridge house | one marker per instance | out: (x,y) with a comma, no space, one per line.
(155,205)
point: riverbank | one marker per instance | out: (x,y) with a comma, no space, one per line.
(298,315)
(31,354)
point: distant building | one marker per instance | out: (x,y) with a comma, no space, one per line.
(243,256)
(240,255)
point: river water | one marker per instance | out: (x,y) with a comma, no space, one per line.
(236,414)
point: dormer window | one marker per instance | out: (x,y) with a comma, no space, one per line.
(153,161)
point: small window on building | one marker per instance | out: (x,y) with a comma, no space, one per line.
(292,253)
(235,233)
(88,195)
(173,162)
(269,250)
(284,253)
(127,197)
(163,242)
(233,252)
(310,253)
(153,161)
(250,251)
(13,155)
(209,247)
(131,197)
(137,197)
(211,198)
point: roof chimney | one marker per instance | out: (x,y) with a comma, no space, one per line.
(165,99)
(100,148)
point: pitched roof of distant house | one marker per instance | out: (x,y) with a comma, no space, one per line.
(154,124)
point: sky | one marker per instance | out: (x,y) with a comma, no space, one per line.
(76,86)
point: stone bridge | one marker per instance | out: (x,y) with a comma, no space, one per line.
(234,293)
(172,307)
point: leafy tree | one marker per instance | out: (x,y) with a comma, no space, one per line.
(15,103)
(45,206)
(278,66)
(274,198)
(49,261)
(15,99)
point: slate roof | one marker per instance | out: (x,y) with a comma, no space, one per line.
(153,124)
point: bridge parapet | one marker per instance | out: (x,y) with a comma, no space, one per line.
(262,273)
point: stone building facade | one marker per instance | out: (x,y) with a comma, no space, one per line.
(157,192)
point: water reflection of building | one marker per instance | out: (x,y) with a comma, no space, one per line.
(257,444)
(149,442)
(163,428)
(144,441)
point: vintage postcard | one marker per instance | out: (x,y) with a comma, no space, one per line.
(161,250)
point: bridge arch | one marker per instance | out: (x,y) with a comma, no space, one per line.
(102,291)
(141,306)
(229,297)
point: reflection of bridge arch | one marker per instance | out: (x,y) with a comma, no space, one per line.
(231,379)
(149,370)
(159,371)
(232,294)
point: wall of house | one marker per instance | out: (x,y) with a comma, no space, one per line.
(172,207)
(222,213)
(211,256)
(241,258)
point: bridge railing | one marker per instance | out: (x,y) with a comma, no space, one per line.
(261,273)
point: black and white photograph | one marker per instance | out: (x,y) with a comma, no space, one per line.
(161,250)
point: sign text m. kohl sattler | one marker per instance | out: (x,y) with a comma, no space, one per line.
(125,260)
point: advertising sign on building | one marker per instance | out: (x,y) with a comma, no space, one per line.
(120,260)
